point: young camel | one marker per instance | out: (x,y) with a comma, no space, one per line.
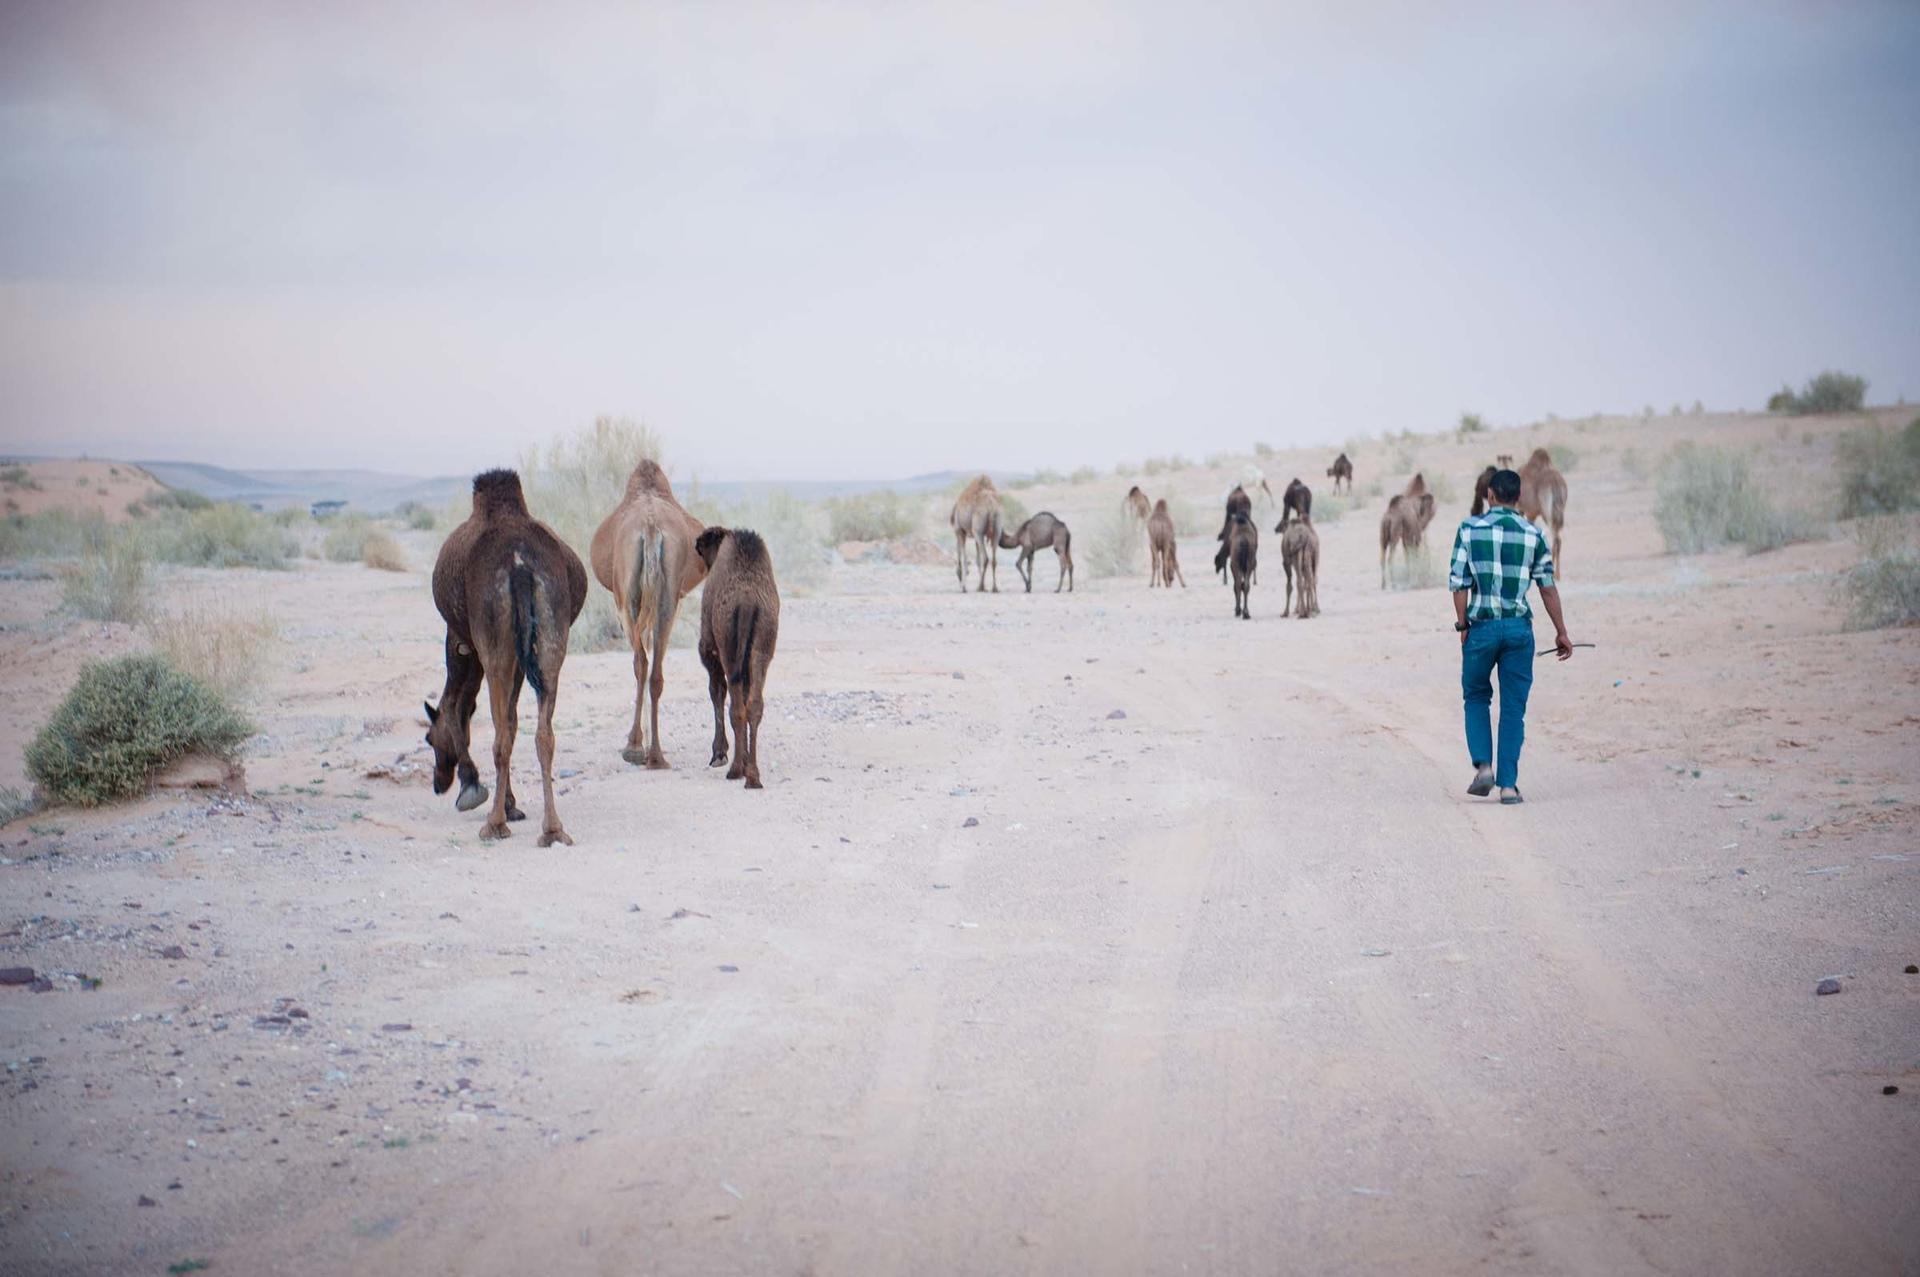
(1405,523)
(643,553)
(1242,549)
(509,591)
(1300,555)
(739,625)
(1543,495)
(1341,469)
(1296,504)
(1239,505)
(1160,538)
(1042,529)
(1136,504)
(976,514)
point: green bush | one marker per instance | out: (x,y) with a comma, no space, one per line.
(124,720)
(871,516)
(1470,424)
(1084,474)
(169,499)
(51,534)
(1879,470)
(109,583)
(220,535)
(1116,545)
(14,804)
(1830,391)
(18,477)
(1884,587)
(1706,498)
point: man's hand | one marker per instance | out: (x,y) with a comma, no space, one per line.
(1563,645)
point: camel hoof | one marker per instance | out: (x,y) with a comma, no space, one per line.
(553,836)
(491,831)
(753,782)
(734,773)
(471,796)
(514,813)
(657,763)
(638,757)
(719,758)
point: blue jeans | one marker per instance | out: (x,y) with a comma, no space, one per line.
(1508,645)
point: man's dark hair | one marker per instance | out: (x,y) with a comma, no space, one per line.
(1505,486)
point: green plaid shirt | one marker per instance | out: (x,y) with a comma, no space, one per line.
(1496,556)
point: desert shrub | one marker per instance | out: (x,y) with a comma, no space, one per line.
(1329,507)
(1219,460)
(222,648)
(124,720)
(109,583)
(1013,511)
(52,534)
(1441,485)
(221,535)
(574,484)
(1706,498)
(1879,470)
(1403,459)
(1048,476)
(14,804)
(1830,391)
(1154,466)
(1116,545)
(416,516)
(791,528)
(1633,463)
(1470,424)
(1884,587)
(346,539)
(1084,474)
(1262,450)
(1565,455)
(383,552)
(169,499)
(871,516)
(18,477)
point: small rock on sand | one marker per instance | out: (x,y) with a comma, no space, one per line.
(16,975)
(396,1028)
(1828,985)
(1119,713)
(971,822)
(173,953)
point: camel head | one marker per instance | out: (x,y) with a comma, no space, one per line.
(707,545)
(1541,459)
(443,735)
(1480,489)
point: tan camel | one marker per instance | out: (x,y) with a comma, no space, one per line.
(976,514)
(1300,555)
(1543,495)
(739,626)
(1136,504)
(644,554)
(1160,539)
(1242,549)
(1405,523)
(1341,469)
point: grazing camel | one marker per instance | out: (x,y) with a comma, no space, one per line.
(1136,504)
(1042,529)
(1160,539)
(643,553)
(1405,523)
(1238,503)
(1296,504)
(1300,555)
(976,514)
(739,625)
(1543,495)
(1341,469)
(509,591)
(1242,549)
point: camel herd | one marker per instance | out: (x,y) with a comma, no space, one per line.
(510,589)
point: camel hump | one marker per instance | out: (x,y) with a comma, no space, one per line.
(649,477)
(1394,503)
(1540,457)
(498,492)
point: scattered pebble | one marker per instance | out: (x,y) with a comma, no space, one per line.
(1826,986)
(1912,969)
(16,975)
(1376,953)
(1118,713)
(729,968)
(1889,1090)
(970,823)
(400,1027)
(147,1201)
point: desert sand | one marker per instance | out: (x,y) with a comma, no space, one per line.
(1072,933)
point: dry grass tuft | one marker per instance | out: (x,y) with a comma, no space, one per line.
(223,648)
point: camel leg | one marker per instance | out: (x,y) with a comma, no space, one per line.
(1175,563)
(504,724)
(1556,553)
(462,695)
(756,708)
(551,830)
(717,689)
(635,751)
(1288,605)
(1023,564)
(656,760)
(994,553)
(513,807)
(1153,569)
(737,711)
(960,558)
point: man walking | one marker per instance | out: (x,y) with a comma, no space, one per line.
(1496,556)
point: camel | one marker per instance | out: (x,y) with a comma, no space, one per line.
(1166,564)
(509,591)
(976,514)
(1341,469)
(1405,523)
(739,625)
(643,553)
(1543,495)
(1042,529)
(1136,504)
(1300,555)
(1238,503)
(1242,549)
(1296,504)
(1504,461)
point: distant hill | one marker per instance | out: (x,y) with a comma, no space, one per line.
(371,491)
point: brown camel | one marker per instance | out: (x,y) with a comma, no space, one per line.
(1543,495)
(1405,523)
(1300,555)
(739,625)
(1238,503)
(643,553)
(1504,461)
(1341,469)
(976,514)
(1042,529)
(509,591)
(1242,548)
(1166,564)
(1296,504)
(1136,504)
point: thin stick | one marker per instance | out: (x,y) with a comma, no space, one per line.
(1550,651)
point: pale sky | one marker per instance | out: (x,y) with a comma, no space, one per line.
(853,240)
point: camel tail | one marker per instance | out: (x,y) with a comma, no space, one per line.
(523,590)
(746,619)
(649,585)
(1549,506)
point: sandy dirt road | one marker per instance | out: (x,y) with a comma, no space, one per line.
(1238,982)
